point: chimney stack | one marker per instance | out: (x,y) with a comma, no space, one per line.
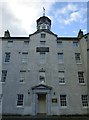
(80,34)
(7,34)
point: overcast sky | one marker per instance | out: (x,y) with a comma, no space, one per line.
(19,16)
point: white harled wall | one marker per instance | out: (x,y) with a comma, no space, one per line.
(71,88)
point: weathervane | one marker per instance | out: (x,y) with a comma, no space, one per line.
(43,11)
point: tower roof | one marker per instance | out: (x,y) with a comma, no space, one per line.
(43,19)
(43,23)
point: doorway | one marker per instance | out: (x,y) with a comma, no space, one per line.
(41,103)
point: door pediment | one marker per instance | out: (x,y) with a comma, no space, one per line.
(41,86)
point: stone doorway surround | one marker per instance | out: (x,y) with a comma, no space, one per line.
(41,89)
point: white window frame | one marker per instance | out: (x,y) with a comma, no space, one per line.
(7,57)
(22,76)
(78,58)
(9,44)
(4,76)
(84,99)
(60,58)
(26,42)
(42,43)
(75,44)
(59,44)
(43,76)
(1,95)
(61,77)
(21,96)
(42,57)
(43,35)
(24,57)
(81,77)
(65,101)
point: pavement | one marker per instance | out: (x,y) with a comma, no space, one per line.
(45,117)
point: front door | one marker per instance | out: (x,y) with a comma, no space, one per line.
(42,103)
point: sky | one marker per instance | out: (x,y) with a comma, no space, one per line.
(19,16)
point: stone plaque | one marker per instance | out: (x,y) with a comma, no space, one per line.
(54,100)
(42,49)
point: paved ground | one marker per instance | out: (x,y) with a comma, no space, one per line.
(45,118)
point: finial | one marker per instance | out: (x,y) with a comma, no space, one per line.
(43,11)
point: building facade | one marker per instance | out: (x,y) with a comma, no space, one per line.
(44,73)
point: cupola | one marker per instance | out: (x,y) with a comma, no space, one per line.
(43,22)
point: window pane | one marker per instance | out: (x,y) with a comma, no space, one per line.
(24,57)
(59,44)
(84,100)
(81,77)
(63,100)
(43,35)
(75,44)
(42,76)
(61,77)
(22,76)
(42,57)
(60,57)
(20,100)
(26,42)
(42,43)
(4,74)
(9,43)
(1,98)
(7,56)
(43,26)
(77,57)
